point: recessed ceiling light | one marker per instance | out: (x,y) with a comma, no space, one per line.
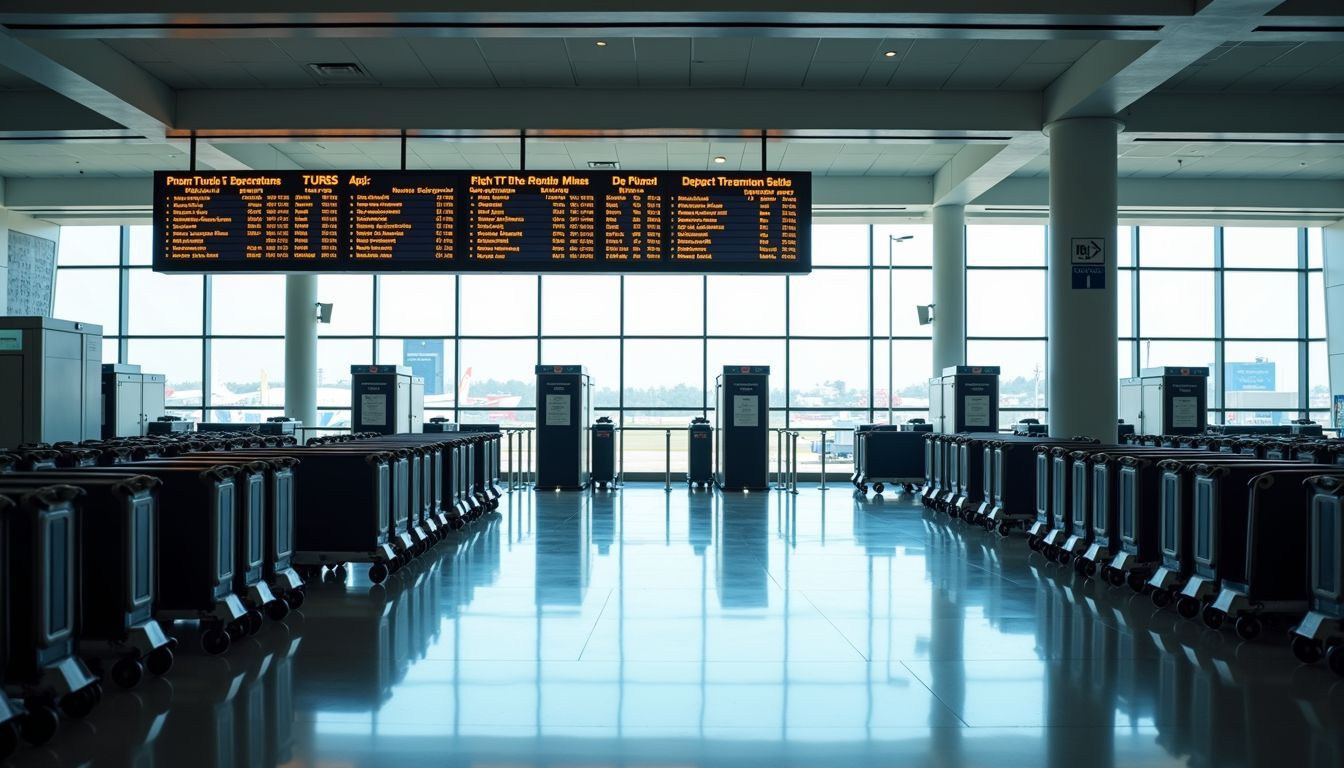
(720,159)
(601,43)
(889,54)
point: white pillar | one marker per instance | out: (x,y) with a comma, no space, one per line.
(1082,375)
(949,287)
(1332,241)
(301,348)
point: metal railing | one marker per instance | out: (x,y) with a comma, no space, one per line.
(522,476)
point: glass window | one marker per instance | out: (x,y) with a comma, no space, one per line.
(1315,248)
(829,302)
(643,441)
(89,246)
(246,373)
(915,252)
(909,289)
(745,306)
(664,373)
(140,245)
(1176,246)
(498,374)
(1124,358)
(1176,304)
(829,374)
(243,415)
(583,305)
(1022,364)
(499,304)
(430,359)
(416,305)
(89,296)
(1260,375)
(334,358)
(909,377)
(748,352)
(503,417)
(1004,302)
(1315,305)
(1005,245)
(1318,376)
(1260,304)
(1260,247)
(1124,250)
(657,305)
(1124,302)
(602,357)
(111,350)
(834,244)
(247,305)
(179,360)
(351,300)
(164,305)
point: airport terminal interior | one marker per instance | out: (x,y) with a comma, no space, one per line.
(672,383)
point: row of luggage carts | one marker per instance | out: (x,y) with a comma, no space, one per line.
(1232,532)
(114,552)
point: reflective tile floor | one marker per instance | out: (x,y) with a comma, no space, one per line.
(640,628)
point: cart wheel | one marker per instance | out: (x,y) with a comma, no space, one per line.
(39,725)
(863,487)
(1005,528)
(378,573)
(1249,627)
(128,673)
(252,622)
(1034,543)
(295,599)
(339,572)
(1136,582)
(216,641)
(1213,618)
(79,704)
(1080,565)
(1117,577)
(1050,551)
(234,630)
(1188,607)
(878,487)
(988,525)
(277,610)
(1307,650)
(9,738)
(1161,598)
(159,661)
(1335,658)
(1065,557)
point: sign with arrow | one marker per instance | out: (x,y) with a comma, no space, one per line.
(1088,257)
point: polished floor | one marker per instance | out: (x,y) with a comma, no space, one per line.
(641,628)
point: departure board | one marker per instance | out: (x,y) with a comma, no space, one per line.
(482,221)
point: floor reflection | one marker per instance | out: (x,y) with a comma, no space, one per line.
(645,627)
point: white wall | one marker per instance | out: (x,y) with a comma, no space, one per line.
(1332,239)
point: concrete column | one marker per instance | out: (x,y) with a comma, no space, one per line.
(301,348)
(949,287)
(1332,241)
(1080,356)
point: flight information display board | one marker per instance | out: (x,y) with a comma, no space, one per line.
(482,221)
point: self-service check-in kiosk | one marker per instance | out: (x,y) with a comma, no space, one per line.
(563,417)
(965,399)
(1166,401)
(742,428)
(386,399)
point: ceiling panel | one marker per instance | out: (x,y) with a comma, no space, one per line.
(989,63)
(663,62)
(453,62)
(1260,67)
(391,61)
(718,74)
(721,49)
(13,81)
(779,62)
(846,49)
(614,49)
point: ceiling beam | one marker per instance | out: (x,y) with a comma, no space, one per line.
(1248,116)
(44,113)
(1201,195)
(977,168)
(955,113)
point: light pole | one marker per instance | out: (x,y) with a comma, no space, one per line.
(891,310)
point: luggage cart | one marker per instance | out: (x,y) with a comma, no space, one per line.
(890,457)
(38,591)
(1321,632)
(1278,531)
(117,531)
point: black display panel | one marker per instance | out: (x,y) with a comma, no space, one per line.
(482,221)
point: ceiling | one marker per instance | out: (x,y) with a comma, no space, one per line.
(955,95)
(655,62)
